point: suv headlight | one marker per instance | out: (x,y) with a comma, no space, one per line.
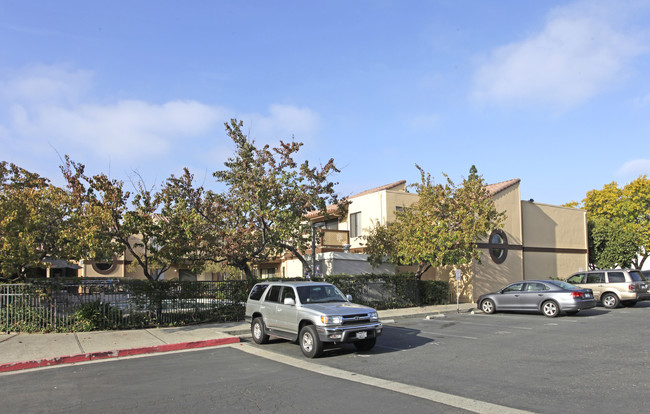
(331,319)
(373,315)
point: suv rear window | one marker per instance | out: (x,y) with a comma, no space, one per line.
(596,278)
(636,276)
(274,294)
(257,292)
(616,277)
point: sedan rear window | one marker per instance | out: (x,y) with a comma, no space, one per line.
(563,285)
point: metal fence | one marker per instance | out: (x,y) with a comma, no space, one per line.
(89,304)
(85,305)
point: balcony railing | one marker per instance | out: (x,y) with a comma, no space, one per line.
(334,238)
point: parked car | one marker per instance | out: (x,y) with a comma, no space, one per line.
(549,297)
(645,274)
(311,313)
(613,286)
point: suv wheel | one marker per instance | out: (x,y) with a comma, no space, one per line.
(550,309)
(366,344)
(609,300)
(257,331)
(310,344)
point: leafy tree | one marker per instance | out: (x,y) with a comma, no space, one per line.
(612,243)
(268,196)
(219,227)
(440,229)
(619,224)
(155,230)
(35,222)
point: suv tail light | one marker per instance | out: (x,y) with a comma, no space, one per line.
(631,287)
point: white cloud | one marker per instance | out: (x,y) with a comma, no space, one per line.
(46,108)
(38,85)
(281,123)
(126,130)
(577,54)
(631,170)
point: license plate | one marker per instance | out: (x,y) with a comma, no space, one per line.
(588,295)
(362,335)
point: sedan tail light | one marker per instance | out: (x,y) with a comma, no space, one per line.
(577,294)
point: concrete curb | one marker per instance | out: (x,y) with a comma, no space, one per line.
(93,356)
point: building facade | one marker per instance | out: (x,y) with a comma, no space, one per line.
(536,241)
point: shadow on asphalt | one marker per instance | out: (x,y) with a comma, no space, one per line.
(393,339)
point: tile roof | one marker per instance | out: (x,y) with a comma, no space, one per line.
(382,188)
(332,209)
(491,188)
(498,187)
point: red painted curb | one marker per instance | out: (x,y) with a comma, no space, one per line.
(39,363)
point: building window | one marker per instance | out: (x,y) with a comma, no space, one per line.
(498,246)
(332,224)
(105,267)
(355,224)
(268,272)
(186,276)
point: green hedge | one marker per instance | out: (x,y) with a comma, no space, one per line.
(86,304)
(382,291)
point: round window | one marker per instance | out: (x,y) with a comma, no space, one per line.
(105,267)
(498,246)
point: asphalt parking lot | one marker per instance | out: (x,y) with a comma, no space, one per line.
(594,361)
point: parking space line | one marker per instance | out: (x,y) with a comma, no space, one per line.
(447,335)
(527,328)
(393,348)
(451,400)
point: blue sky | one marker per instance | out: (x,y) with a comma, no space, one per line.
(556,93)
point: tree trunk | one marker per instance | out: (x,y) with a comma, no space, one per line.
(422,268)
(300,257)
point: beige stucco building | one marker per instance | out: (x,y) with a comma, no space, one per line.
(124,266)
(536,241)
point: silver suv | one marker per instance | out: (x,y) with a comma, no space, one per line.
(312,313)
(613,286)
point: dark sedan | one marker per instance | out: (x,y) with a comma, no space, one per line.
(549,297)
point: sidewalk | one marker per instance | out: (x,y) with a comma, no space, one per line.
(23,351)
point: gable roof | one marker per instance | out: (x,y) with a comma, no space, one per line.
(498,187)
(382,188)
(332,209)
(491,188)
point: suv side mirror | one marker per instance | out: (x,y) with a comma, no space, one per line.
(349,298)
(289,301)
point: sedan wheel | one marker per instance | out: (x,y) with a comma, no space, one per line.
(609,300)
(550,309)
(487,306)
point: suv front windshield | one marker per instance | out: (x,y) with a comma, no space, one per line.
(320,294)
